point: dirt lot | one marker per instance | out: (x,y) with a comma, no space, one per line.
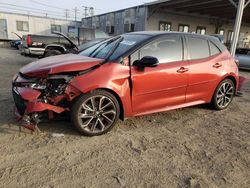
(192,147)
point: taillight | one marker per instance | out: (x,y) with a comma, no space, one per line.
(28,40)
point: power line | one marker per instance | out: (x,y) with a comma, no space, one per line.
(31,11)
(66,13)
(46,5)
(19,6)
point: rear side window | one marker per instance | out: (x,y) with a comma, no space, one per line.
(214,50)
(166,50)
(198,48)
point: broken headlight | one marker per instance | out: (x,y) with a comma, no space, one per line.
(38,86)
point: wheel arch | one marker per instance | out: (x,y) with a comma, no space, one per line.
(118,99)
(60,48)
(233,79)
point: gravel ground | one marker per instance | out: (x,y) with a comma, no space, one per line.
(192,147)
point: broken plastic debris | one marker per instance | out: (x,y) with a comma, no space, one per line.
(56,135)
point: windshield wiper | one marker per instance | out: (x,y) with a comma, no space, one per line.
(97,51)
(113,49)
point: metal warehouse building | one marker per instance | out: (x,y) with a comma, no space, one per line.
(198,16)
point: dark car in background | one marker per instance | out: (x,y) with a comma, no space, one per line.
(45,46)
(35,44)
(16,43)
(243,56)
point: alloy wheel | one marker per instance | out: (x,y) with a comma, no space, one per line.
(225,95)
(97,114)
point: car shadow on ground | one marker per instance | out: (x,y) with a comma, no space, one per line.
(9,124)
(63,125)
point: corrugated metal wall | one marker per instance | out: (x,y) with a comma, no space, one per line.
(136,15)
(119,22)
(140,19)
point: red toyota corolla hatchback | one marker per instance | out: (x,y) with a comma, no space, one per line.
(130,75)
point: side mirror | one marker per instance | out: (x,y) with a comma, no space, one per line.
(147,61)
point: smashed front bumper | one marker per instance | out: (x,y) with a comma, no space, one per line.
(33,106)
(29,107)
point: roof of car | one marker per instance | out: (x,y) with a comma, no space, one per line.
(153,34)
(156,33)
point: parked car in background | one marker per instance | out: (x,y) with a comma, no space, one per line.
(129,75)
(35,44)
(45,46)
(243,56)
(58,49)
(16,43)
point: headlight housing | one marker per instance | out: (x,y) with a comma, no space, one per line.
(38,86)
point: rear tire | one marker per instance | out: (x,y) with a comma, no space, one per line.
(52,53)
(95,113)
(223,95)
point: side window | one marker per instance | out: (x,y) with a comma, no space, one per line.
(166,50)
(22,26)
(134,57)
(198,48)
(55,27)
(214,50)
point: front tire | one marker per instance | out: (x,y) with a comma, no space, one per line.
(95,113)
(224,94)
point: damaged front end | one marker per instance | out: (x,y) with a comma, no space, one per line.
(37,99)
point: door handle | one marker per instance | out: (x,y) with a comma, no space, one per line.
(217,65)
(182,70)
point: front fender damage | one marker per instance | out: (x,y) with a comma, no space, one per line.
(37,106)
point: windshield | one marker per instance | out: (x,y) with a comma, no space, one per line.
(115,47)
(89,44)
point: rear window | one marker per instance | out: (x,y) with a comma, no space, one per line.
(214,50)
(198,48)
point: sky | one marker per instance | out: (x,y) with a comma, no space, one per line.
(57,8)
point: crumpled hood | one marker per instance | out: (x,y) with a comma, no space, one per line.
(59,64)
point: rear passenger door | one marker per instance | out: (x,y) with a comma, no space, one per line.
(205,67)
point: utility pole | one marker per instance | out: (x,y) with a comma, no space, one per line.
(67,13)
(76,12)
(85,9)
(91,10)
(88,11)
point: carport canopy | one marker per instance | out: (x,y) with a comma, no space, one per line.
(237,10)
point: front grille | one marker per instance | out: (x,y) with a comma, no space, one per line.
(20,103)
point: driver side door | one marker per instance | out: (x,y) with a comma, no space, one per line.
(162,87)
